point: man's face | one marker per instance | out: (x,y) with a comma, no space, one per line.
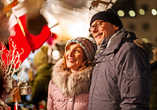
(100,30)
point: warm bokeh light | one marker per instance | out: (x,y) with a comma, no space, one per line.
(154,12)
(142,12)
(132,13)
(78,29)
(55,55)
(121,13)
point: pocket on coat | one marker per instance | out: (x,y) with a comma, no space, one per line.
(132,81)
(134,74)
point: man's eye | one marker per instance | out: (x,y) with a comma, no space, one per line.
(98,24)
(93,26)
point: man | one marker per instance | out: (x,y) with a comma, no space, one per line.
(121,78)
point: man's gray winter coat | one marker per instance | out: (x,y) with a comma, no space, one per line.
(121,78)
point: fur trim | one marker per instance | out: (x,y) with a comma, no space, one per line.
(154,60)
(147,47)
(71,83)
(155,54)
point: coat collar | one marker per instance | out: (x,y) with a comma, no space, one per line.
(71,83)
(116,40)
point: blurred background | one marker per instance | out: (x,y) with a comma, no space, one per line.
(139,16)
(70,18)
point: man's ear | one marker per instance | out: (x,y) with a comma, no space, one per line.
(116,28)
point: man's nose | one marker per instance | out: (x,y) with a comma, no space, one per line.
(95,29)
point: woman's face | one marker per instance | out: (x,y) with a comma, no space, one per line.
(74,56)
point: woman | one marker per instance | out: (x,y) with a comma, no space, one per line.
(71,76)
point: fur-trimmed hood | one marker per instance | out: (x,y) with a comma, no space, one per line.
(147,47)
(71,83)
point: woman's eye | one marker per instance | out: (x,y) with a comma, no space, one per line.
(67,49)
(77,51)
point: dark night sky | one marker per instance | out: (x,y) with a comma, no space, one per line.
(124,5)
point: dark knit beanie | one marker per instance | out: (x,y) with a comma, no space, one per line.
(88,46)
(109,16)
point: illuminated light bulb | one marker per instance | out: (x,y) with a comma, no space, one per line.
(132,13)
(142,12)
(154,12)
(121,13)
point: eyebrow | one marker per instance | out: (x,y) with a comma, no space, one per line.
(78,47)
(97,22)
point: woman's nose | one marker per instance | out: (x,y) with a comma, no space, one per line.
(71,53)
